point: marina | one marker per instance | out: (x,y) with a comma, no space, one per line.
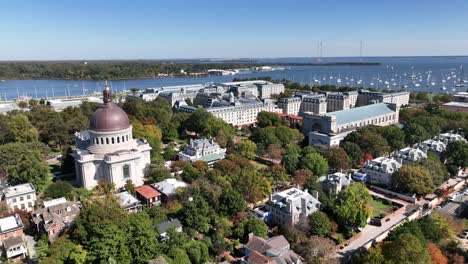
(423,74)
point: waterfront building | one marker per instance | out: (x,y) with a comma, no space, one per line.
(380,171)
(20,197)
(107,150)
(244,90)
(367,97)
(337,101)
(314,104)
(267,90)
(455,107)
(290,105)
(205,100)
(204,149)
(410,155)
(353,97)
(12,236)
(275,250)
(173,97)
(290,206)
(461,97)
(329,129)
(168,188)
(241,113)
(55,216)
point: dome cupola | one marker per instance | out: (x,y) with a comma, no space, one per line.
(108,117)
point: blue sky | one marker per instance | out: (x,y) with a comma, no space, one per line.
(55,30)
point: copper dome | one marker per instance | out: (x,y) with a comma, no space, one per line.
(108,117)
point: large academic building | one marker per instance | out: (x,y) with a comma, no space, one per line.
(329,129)
(107,150)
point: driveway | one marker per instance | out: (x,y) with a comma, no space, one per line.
(30,244)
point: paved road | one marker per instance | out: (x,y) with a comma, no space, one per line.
(368,233)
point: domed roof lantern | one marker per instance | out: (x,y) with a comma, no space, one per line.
(106,94)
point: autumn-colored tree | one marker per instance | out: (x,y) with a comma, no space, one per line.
(274,151)
(302,176)
(436,255)
(200,165)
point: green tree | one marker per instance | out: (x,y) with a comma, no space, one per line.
(197,251)
(19,129)
(414,179)
(337,159)
(436,169)
(352,205)
(169,152)
(394,136)
(179,256)
(63,250)
(42,248)
(231,202)
(102,230)
(319,224)
(24,162)
(197,213)
(315,163)
(276,173)
(246,148)
(457,153)
(266,119)
(142,237)
(59,189)
(291,157)
(415,133)
(406,249)
(67,161)
(251,225)
(354,152)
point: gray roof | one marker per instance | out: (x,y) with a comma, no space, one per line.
(360,113)
(164,226)
(12,242)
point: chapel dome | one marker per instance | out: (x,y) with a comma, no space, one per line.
(108,117)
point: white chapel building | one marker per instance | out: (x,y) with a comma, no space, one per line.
(107,150)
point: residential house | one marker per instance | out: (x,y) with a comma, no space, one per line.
(410,155)
(128,202)
(434,145)
(275,250)
(168,188)
(164,227)
(22,196)
(12,236)
(55,216)
(380,171)
(202,149)
(451,137)
(289,206)
(148,195)
(334,183)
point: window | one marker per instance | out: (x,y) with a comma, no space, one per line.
(107,141)
(126,171)
(29,204)
(14,200)
(23,206)
(113,141)
(21,198)
(28,197)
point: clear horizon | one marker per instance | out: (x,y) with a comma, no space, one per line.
(148,30)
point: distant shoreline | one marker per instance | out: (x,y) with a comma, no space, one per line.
(135,70)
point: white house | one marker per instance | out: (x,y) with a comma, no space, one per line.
(202,149)
(381,170)
(22,196)
(289,206)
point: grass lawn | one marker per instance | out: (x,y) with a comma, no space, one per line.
(258,165)
(378,208)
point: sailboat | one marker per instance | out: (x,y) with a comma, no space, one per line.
(461,83)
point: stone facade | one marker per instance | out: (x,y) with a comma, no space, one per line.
(289,206)
(107,150)
(315,104)
(202,149)
(290,106)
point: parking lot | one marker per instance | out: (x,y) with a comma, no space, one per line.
(453,203)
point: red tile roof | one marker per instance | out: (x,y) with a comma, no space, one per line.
(147,191)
